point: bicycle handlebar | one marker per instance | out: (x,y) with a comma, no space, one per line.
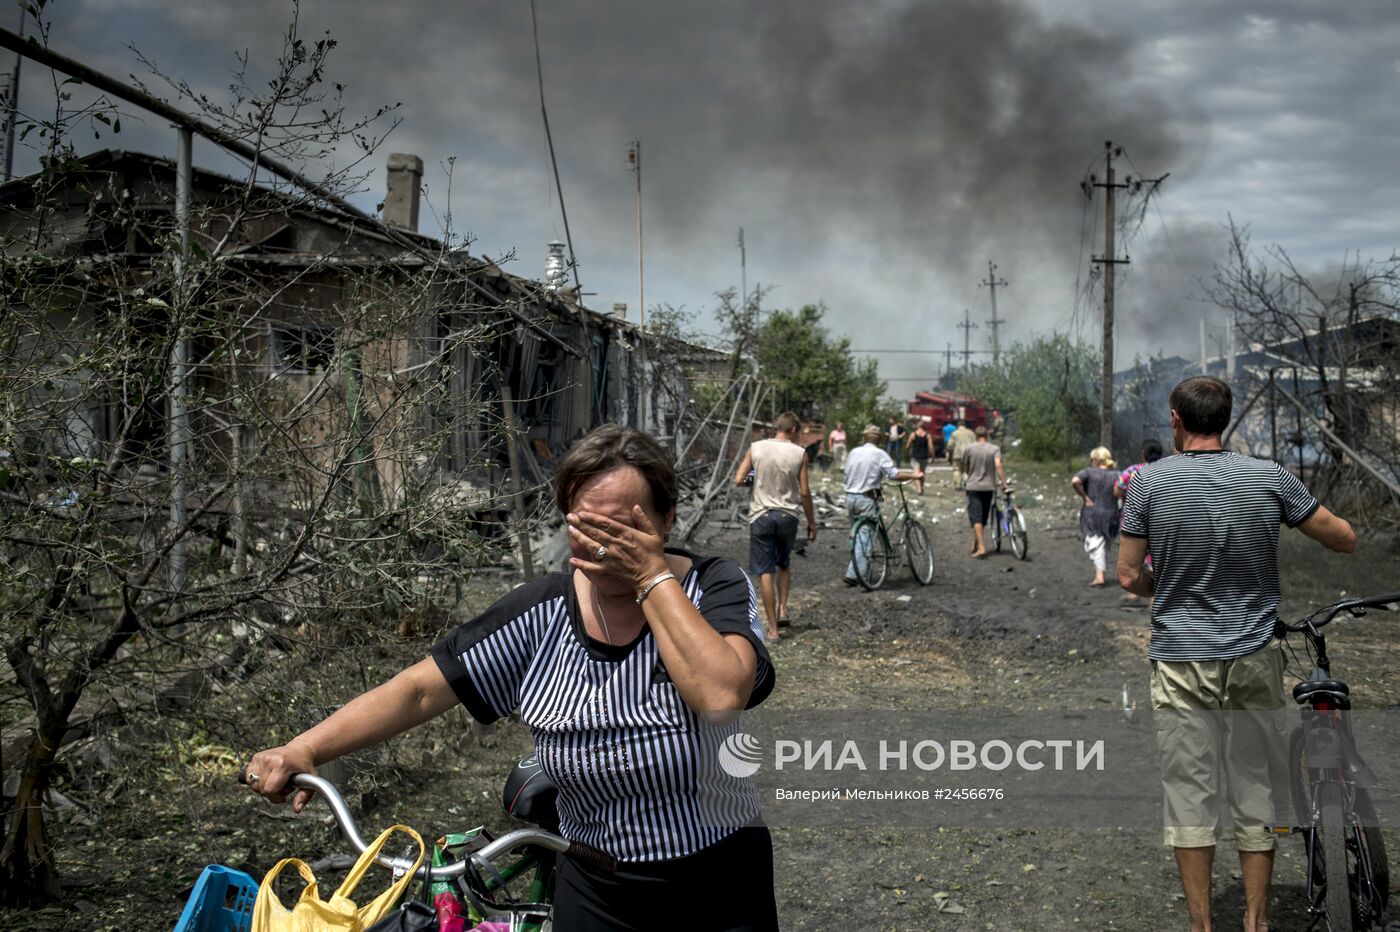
(494,849)
(1332,611)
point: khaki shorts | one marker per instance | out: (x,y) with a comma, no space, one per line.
(1220,738)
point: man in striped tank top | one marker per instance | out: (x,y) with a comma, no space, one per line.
(1210,521)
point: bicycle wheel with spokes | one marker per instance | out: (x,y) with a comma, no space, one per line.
(919,552)
(1332,830)
(994,528)
(1020,540)
(869,553)
(1372,907)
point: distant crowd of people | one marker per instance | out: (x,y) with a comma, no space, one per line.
(918,441)
(973,454)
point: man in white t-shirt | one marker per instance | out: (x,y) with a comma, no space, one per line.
(867,467)
(780,492)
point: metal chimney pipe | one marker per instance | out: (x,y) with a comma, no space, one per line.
(556,269)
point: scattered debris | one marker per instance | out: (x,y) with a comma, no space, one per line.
(943,902)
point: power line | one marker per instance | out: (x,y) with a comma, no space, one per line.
(1079,265)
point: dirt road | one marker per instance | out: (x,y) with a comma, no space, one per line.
(988,635)
(1005,634)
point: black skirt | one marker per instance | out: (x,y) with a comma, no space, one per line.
(727,887)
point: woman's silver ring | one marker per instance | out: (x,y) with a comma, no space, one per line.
(600,552)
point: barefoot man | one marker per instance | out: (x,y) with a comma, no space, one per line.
(981,462)
(780,493)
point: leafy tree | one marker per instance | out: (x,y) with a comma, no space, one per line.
(311,511)
(741,321)
(1049,389)
(813,373)
(669,322)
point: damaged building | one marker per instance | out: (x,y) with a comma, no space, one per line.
(342,314)
(1317,396)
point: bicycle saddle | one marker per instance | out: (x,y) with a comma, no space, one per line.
(530,795)
(1308,687)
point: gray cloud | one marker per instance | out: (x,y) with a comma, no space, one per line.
(877,155)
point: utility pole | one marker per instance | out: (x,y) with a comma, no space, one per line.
(948,359)
(1230,352)
(743,273)
(178,430)
(967,326)
(1109,260)
(993,283)
(634,158)
(12,103)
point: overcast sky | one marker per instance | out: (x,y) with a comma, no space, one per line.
(877,155)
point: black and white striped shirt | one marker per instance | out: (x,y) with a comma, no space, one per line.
(635,766)
(1211,520)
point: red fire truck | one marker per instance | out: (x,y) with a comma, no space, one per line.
(942,407)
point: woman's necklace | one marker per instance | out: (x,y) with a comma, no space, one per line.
(598,607)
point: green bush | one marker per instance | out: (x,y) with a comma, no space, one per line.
(1049,392)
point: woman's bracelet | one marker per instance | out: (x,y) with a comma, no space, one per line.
(646,590)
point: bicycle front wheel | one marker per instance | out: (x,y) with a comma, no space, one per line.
(994,528)
(919,551)
(870,553)
(1020,540)
(1331,839)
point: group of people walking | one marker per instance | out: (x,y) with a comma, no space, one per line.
(622,661)
(975,457)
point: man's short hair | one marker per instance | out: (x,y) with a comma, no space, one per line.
(787,423)
(1204,403)
(981,432)
(871,431)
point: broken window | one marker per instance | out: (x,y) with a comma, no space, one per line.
(84,430)
(302,347)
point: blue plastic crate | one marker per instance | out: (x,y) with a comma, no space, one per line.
(222,901)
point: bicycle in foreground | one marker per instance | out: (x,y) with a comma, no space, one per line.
(1006,521)
(507,880)
(875,544)
(1348,875)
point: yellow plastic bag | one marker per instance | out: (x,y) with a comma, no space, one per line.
(339,913)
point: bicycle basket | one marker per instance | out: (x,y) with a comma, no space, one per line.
(222,901)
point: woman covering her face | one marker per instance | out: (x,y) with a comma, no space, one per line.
(630,669)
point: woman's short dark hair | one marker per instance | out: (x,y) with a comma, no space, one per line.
(608,447)
(1204,404)
(1151,451)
